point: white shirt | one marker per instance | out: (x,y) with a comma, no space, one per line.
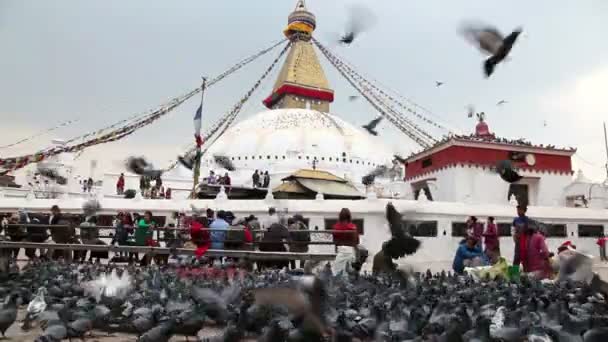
(270,220)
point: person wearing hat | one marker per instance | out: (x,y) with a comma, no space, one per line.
(468,254)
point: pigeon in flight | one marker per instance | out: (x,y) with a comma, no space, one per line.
(140,166)
(186,161)
(501,102)
(52,174)
(360,20)
(490,41)
(305,302)
(370,127)
(401,242)
(470,111)
(353,98)
(438,84)
(506,171)
(224,162)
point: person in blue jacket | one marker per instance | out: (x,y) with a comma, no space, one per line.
(467,253)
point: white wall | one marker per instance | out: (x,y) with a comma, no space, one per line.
(436,252)
(477,185)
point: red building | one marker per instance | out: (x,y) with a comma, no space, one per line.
(471,161)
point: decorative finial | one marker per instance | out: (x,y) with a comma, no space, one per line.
(513,200)
(221,195)
(301,5)
(269,195)
(300,23)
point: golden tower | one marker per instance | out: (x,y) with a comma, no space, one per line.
(301,82)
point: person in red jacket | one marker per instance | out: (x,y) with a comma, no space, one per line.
(601,242)
(199,235)
(346,239)
(120,184)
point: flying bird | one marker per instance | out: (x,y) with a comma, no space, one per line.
(504,168)
(52,174)
(186,161)
(352,98)
(470,111)
(140,166)
(401,242)
(224,162)
(438,84)
(399,159)
(305,301)
(372,125)
(501,102)
(491,42)
(360,20)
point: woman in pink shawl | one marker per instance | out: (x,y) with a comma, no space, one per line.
(536,254)
(491,241)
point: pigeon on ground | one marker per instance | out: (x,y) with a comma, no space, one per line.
(490,41)
(160,333)
(505,170)
(140,166)
(8,314)
(370,127)
(53,333)
(34,308)
(360,20)
(224,162)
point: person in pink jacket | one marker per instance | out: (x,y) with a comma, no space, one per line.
(491,241)
(535,257)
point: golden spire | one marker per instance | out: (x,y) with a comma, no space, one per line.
(301,82)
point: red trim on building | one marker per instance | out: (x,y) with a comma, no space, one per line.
(484,157)
(317,94)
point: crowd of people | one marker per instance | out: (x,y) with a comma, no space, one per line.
(260,179)
(482,247)
(147,190)
(203,230)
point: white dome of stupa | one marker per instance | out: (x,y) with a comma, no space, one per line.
(283,141)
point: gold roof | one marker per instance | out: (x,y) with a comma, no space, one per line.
(292,187)
(315,174)
(302,67)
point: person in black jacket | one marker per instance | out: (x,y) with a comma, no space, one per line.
(36,234)
(274,241)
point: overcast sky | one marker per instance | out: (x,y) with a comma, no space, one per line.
(103,61)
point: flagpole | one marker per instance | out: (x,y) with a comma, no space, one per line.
(606,146)
(197,159)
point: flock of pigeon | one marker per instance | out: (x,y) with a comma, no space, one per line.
(155,304)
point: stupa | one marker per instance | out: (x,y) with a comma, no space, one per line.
(298,132)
